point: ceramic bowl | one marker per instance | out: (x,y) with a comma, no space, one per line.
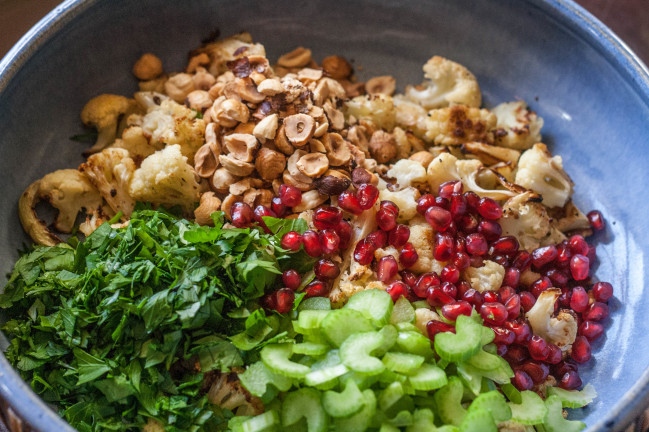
(591,90)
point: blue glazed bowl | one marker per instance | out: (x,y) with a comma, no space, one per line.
(591,90)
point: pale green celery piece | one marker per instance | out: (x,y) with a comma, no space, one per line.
(495,403)
(261,423)
(276,357)
(315,303)
(574,398)
(361,420)
(414,343)
(339,324)
(390,395)
(305,403)
(356,352)
(345,403)
(428,377)
(448,401)
(376,304)
(531,411)
(257,377)
(554,421)
(389,334)
(403,312)
(402,362)
(479,420)
(423,420)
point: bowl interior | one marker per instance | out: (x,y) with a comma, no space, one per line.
(596,112)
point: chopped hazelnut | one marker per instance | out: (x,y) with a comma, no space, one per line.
(203,80)
(381,85)
(235,166)
(270,87)
(228,202)
(206,161)
(328,88)
(299,57)
(199,100)
(310,200)
(382,146)
(209,204)
(179,86)
(196,62)
(308,74)
(241,146)
(332,184)
(230,112)
(299,128)
(336,67)
(281,141)
(336,117)
(222,179)
(290,179)
(270,164)
(313,164)
(337,149)
(423,157)
(316,146)
(267,127)
(147,67)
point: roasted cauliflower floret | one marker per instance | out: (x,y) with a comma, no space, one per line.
(448,83)
(171,123)
(570,219)
(539,171)
(138,146)
(165,178)
(458,124)
(489,277)
(410,115)
(111,171)
(422,237)
(407,172)
(378,108)
(103,112)
(227,392)
(228,49)
(405,199)
(517,126)
(561,329)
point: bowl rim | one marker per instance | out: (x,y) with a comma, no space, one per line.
(17,394)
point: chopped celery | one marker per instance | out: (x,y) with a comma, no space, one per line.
(345,403)
(414,343)
(257,377)
(448,401)
(471,377)
(389,334)
(362,419)
(406,326)
(574,398)
(262,422)
(495,403)
(487,335)
(479,420)
(531,410)
(276,358)
(512,393)
(305,403)
(375,304)
(315,303)
(554,421)
(356,352)
(388,377)
(403,312)
(484,361)
(309,321)
(386,427)
(422,421)
(428,377)
(310,348)
(390,395)
(402,419)
(325,375)
(402,362)
(339,324)
(462,345)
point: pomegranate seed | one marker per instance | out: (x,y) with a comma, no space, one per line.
(513,306)
(537,371)
(489,209)
(476,244)
(581,351)
(521,330)
(457,206)
(596,220)
(592,255)
(476,261)
(463,287)
(563,367)
(285,298)
(512,277)
(444,247)
(522,380)
(349,202)
(269,301)
(579,299)
(367,195)
(544,255)
(500,259)
(278,207)
(409,278)
(442,202)
(602,291)
(558,278)
(260,212)
(408,255)
(424,203)
(527,300)
(491,297)
(563,254)
(329,240)
(490,230)
(311,242)
(379,239)
(590,330)
(291,279)
(473,297)
(399,236)
(516,354)
(447,189)
(570,381)
(452,310)
(290,195)
(461,261)
(434,327)
(493,313)
(538,348)
(364,252)
(344,230)
(522,260)
(460,244)
(468,224)
(326,269)
(449,289)
(389,205)
(501,350)
(472,200)
(597,312)
(397,289)
(578,245)
(555,354)
(437,298)
(425,281)
(505,245)
(292,240)
(327,217)
(450,273)
(387,268)
(241,214)
(565,298)
(438,218)
(504,336)
(540,285)
(317,289)
(579,267)
(386,219)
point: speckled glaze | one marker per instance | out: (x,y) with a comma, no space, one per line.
(591,90)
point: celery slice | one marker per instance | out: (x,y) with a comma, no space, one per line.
(261,423)
(386,427)
(462,345)
(390,396)
(554,421)
(479,420)
(423,420)
(415,343)
(495,403)
(257,377)
(315,303)
(471,377)
(448,402)
(362,419)
(406,326)
(402,362)
(339,324)
(310,348)
(356,351)
(310,320)
(428,377)
(390,335)
(512,393)
(345,403)
(484,361)
(325,375)
(375,304)
(276,358)
(531,410)
(305,403)
(403,312)
(574,398)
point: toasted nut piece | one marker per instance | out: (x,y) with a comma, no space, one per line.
(147,67)
(308,74)
(381,85)
(244,128)
(270,164)
(216,90)
(179,86)
(240,187)
(270,87)
(310,200)
(155,85)
(337,149)
(382,146)
(353,89)
(255,197)
(299,57)
(299,128)
(316,146)
(222,179)
(290,179)
(356,135)
(336,67)
(332,184)
(260,65)
(328,88)
(336,117)
(281,141)
(236,166)
(206,161)
(321,128)
(313,164)
(203,80)
(210,137)
(241,146)
(361,175)
(230,112)
(208,205)
(266,128)
(423,157)
(228,202)
(247,90)
(293,170)
(199,100)
(197,61)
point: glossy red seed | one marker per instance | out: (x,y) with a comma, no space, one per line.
(291,279)
(329,240)
(602,291)
(468,224)
(379,239)
(424,203)
(563,255)
(457,206)
(578,245)
(564,367)
(579,299)
(501,350)
(513,306)
(444,247)
(537,371)
(516,354)
(540,285)
(490,230)
(596,220)
(317,288)
(241,215)
(453,310)
(522,380)
(558,278)
(408,255)
(325,269)
(387,268)
(460,244)
(285,298)
(438,218)
(527,300)
(389,205)
(260,212)
(311,243)
(327,217)
(565,298)
(364,252)
(409,278)
(442,202)
(581,351)
(592,255)
(522,260)
(461,261)
(435,327)
(579,267)
(493,313)
(491,297)
(397,289)
(292,240)
(367,195)
(449,289)
(538,348)
(463,287)
(505,245)
(437,298)
(504,336)
(596,312)
(425,281)
(290,195)
(500,259)
(476,244)
(473,297)
(489,209)
(450,273)
(570,381)
(512,277)
(448,188)
(544,255)
(590,330)
(278,207)
(472,201)
(344,231)
(555,354)
(521,330)
(349,202)
(386,219)
(269,301)
(399,236)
